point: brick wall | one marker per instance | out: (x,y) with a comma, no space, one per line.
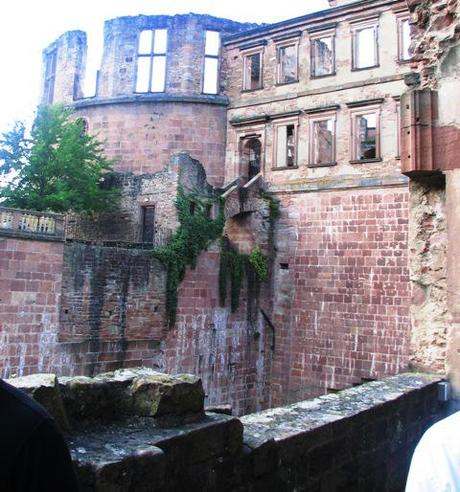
(230,352)
(341,290)
(30,289)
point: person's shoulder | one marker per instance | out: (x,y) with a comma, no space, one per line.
(20,416)
(14,398)
(445,429)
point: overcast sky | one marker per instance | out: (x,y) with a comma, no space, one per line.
(27,26)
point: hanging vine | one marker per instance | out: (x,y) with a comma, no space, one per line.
(195,232)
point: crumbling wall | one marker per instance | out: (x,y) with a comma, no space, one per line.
(434,221)
(359,439)
(428,262)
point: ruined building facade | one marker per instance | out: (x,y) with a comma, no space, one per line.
(304,114)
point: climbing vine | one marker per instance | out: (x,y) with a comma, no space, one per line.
(259,263)
(233,265)
(195,232)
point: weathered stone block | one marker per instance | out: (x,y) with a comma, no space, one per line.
(44,389)
(160,395)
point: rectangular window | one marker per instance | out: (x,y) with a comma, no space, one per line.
(148,224)
(285,145)
(366,134)
(151,61)
(365,46)
(404,39)
(252,75)
(323,56)
(50,77)
(322,141)
(287,64)
(211,63)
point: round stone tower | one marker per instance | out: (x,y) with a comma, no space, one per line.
(158,90)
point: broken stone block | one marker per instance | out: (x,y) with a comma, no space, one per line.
(44,388)
(161,395)
(105,396)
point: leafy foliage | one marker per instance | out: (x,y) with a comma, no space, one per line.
(232,267)
(259,263)
(59,168)
(196,231)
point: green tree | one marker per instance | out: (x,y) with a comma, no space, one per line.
(59,168)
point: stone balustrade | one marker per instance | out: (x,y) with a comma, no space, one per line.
(16,222)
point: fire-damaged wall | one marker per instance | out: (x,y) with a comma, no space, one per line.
(430,158)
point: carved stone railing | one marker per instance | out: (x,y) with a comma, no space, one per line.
(28,223)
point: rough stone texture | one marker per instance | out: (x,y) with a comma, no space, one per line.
(436,36)
(358,439)
(158,190)
(428,273)
(436,32)
(160,395)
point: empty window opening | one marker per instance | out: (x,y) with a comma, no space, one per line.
(93,64)
(151,61)
(323,62)
(252,155)
(252,71)
(404,39)
(211,63)
(285,146)
(50,77)
(323,142)
(287,64)
(284,266)
(366,138)
(148,224)
(365,47)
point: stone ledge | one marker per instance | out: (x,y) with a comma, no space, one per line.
(151,98)
(306,416)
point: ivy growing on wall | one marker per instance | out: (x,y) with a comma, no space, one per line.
(232,268)
(195,232)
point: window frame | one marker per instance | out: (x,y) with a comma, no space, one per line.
(243,134)
(356,27)
(152,55)
(356,113)
(285,44)
(400,19)
(315,118)
(315,37)
(213,57)
(279,123)
(246,55)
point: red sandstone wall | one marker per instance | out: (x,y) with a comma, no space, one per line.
(142,137)
(30,288)
(230,353)
(342,308)
(108,315)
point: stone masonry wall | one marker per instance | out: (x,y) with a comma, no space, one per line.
(149,434)
(231,352)
(75,309)
(342,290)
(30,290)
(142,137)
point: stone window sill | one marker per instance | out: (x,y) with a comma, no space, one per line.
(365,161)
(323,164)
(284,168)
